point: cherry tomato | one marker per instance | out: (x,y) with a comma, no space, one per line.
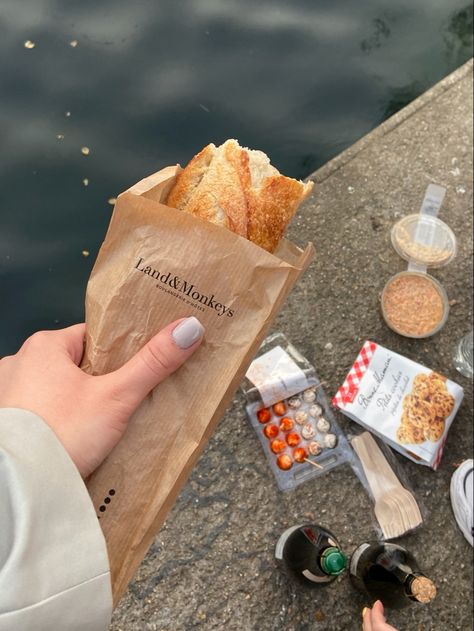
(271,431)
(277,445)
(284,462)
(293,439)
(264,415)
(300,454)
(286,424)
(279,408)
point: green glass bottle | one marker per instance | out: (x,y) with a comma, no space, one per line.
(310,554)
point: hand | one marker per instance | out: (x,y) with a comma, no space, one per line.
(374,619)
(89,414)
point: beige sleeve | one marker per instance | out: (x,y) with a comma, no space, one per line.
(54,569)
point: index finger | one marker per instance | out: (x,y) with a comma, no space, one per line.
(367,619)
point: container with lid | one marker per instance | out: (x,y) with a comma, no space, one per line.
(414,304)
(424,240)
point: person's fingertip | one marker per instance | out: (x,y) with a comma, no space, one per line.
(187,333)
(378,616)
(364,611)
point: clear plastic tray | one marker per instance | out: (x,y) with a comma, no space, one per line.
(310,402)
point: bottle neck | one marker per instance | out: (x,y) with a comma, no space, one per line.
(417,587)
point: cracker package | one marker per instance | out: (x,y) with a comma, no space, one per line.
(158,264)
(407,405)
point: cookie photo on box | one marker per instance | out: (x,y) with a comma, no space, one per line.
(425,410)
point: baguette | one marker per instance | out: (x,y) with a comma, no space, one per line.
(239,189)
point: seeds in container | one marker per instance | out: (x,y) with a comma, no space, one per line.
(315,448)
(293,439)
(277,445)
(316,410)
(284,462)
(300,454)
(264,415)
(271,431)
(294,403)
(279,408)
(330,441)
(301,417)
(323,425)
(286,424)
(309,396)
(414,304)
(308,431)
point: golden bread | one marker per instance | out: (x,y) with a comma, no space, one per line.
(239,189)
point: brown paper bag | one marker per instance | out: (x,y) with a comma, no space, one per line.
(158,264)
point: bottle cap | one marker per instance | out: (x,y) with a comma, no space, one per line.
(333,561)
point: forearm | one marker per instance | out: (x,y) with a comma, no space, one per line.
(54,571)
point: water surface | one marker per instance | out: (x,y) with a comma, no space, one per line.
(149,83)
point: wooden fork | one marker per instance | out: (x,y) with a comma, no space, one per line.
(395,507)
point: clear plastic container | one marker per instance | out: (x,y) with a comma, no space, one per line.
(462,358)
(425,240)
(414,320)
(413,303)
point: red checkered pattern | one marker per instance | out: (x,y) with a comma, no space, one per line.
(437,460)
(349,388)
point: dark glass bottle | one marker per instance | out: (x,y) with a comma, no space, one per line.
(310,554)
(388,572)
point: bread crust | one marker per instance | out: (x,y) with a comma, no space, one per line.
(217,186)
(272,208)
(219,197)
(188,180)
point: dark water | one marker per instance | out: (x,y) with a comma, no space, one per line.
(150,83)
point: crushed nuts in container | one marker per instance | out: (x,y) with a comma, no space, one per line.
(424,239)
(414,304)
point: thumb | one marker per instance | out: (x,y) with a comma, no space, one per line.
(378,607)
(158,359)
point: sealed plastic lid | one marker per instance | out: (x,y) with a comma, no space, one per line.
(333,561)
(425,240)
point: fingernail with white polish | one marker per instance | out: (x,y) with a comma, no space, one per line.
(187,332)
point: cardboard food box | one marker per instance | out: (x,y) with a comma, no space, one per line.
(408,406)
(158,264)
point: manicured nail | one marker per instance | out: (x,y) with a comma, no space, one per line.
(187,332)
(363,612)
